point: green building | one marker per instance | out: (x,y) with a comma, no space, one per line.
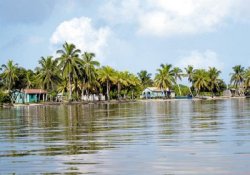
(30,96)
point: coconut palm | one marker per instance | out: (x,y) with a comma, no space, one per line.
(164,78)
(247,77)
(48,74)
(190,73)
(200,80)
(133,82)
(145,78)
(237,77)
(214,80)
(106,75)
(121,79)
(177,73)
(69,62)
(30,79)
(89,71)
(9,74)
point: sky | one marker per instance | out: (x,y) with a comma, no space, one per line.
(129,35)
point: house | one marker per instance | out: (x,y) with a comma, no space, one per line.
(154,92)
(30,96)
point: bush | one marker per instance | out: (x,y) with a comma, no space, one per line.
(4,98)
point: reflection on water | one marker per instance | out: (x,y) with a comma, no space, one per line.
(178,137)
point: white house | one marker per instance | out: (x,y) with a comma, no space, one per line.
(154,92)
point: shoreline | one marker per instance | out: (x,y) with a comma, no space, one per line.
(116,102)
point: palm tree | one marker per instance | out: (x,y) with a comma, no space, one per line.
(190,73)
(89,71)
(29,79)
(237,77)
(214,80)
(177,73)
(164,78)
(247,77)
(121,79)
(9,74)
(106,75)
(69,63)
(145,78)
(62,87)
(48,74)
(200,80)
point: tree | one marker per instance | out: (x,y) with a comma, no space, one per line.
(247,77)
(237,77)
(69,63)
(200,80)
(121,80)
(89,71)
(48,73)
(145,78)
(164,78)
(106,75)
(190,73)
(9,74)
(30,79)
(214,80)
(177,73)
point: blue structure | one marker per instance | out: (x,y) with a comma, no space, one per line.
(30,96)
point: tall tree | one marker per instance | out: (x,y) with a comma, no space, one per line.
(190,73)
(214,80)
(200,80)
(69,63)
(177,73)
(106,75)
(48,73)
(164,77)
(247,77)
(145,78)
(9,74)
(89,71)
(237,77)
(121,79)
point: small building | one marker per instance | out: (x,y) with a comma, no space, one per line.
(30,96)
(154,92)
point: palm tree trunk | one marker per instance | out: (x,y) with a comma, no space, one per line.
(119,90)
(108,90)
(179,89)
(70,88)
(190,91)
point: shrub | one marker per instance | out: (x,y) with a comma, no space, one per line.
(4,98)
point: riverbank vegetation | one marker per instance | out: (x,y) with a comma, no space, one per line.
(75,74)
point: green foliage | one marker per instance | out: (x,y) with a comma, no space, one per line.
(184,90)
(74,75)
(4,98)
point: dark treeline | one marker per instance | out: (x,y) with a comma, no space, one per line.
(75,74)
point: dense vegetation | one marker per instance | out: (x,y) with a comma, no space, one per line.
(75,74)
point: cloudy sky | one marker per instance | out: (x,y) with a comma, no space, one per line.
(129,34)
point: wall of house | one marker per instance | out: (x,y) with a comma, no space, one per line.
(32,98)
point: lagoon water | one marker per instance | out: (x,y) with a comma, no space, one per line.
(178,137)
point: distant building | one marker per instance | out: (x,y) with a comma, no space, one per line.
(154,92)
(30,96)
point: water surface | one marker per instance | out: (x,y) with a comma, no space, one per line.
(178,137)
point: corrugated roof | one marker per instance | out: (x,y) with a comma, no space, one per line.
(154,89)
(34,91)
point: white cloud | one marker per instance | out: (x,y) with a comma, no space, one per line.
(83,34)
(170,18)
(201,60)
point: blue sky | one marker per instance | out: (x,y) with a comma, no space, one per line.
(129,34)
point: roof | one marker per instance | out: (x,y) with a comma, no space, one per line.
(34,91)
(155,89)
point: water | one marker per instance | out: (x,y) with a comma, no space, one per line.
(179,137)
